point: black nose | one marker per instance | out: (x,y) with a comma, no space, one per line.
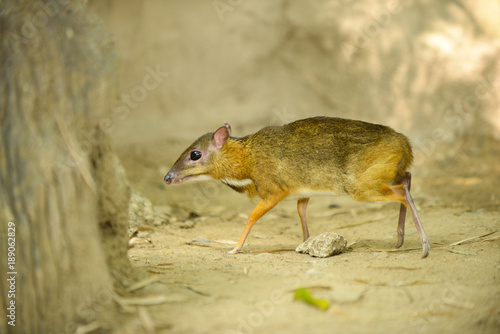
(168,178)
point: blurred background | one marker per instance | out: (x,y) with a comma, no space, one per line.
(429,69)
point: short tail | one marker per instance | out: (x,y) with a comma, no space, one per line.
(406,158)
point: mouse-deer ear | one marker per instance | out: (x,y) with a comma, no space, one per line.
(221,135)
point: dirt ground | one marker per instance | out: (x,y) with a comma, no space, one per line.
(371,288)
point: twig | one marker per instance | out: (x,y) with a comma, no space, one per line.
(143,283)
(352,243)
(472,238)
(457,304)
(273,250)
(391,250)
(394,285)
(145,301)
(491,238)
(197,292)
(478,238)
(146,320)
(396,267)
(191,243)
(361,223)
(457,251)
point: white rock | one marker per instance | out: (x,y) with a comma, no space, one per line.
(323,245)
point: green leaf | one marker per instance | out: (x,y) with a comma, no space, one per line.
(305,295)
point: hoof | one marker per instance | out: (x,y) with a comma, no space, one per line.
(234,251)
(426,250)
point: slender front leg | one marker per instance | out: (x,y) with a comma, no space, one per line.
(402,213)
(261,209)
(301,209)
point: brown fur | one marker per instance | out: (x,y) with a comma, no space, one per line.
(320,153)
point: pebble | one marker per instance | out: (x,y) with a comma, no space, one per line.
(203,240)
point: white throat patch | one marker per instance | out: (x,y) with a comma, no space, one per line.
(236,183)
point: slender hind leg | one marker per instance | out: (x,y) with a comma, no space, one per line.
(375,190)
(301,209)
(402,213)
(403,192)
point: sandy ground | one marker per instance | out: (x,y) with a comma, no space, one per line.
(371,288)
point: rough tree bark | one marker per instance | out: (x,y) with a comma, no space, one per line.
(59,183)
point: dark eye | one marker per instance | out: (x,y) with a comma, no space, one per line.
(195,155)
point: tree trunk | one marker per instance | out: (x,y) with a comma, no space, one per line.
(56,91)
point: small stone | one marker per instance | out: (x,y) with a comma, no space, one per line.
(202,240)
(323,245)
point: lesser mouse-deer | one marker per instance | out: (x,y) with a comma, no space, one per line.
(319,155)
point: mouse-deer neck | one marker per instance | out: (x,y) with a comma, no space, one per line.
(233,162)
